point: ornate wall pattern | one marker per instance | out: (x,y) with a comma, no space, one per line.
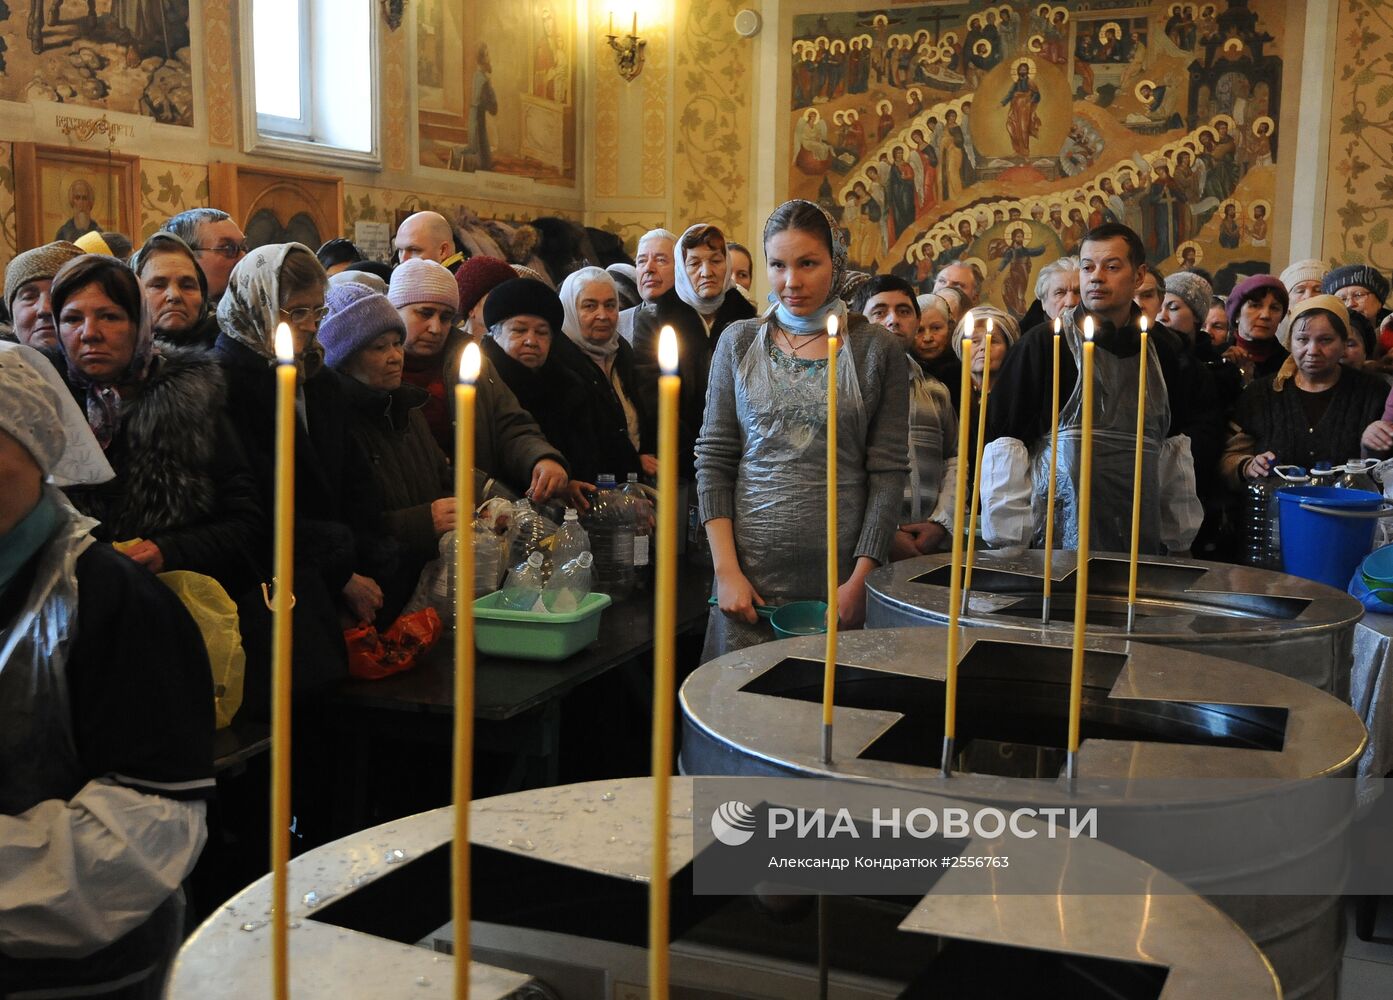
(218,72)
(9,236)
(711,148)
(1001,134)
(654,130)
(1359,194)
(394,98)
(167,189)
(604,138)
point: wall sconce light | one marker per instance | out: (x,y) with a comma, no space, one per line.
(392,10)
(628,49)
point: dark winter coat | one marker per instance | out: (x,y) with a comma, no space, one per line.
(409,473)
(182,481)
(695,348)
(612,451)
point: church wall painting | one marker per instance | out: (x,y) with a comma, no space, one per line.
(482,109)
(1000,134)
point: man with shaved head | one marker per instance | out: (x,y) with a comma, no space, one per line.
(427,235)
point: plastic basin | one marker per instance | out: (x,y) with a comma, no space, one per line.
(535,635)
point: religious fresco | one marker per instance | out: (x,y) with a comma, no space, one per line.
(130,56)
(481,108)
(1000,135)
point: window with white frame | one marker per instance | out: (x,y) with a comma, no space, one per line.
(312,70)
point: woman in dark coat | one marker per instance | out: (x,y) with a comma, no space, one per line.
(182,486)
(702,302)
(363,337)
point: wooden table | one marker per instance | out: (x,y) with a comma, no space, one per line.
(518,703)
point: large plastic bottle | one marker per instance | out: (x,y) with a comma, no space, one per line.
(644,525)
(528,530)
(569,584)
(569,541)
(610,524)
(522,591)
(442,591)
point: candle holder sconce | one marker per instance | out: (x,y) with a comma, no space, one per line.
(628,53)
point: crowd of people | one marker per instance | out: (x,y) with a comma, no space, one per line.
(136,438)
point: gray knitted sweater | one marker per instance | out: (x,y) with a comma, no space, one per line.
(885,394)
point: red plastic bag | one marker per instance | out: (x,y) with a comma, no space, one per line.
(373,655)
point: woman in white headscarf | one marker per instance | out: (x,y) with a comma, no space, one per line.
(106,720)
(701,304)
(594,350)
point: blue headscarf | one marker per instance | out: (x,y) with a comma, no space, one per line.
(834,305)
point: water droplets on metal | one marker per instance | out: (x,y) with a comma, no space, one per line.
(394,857)
(311,899)
(522,845)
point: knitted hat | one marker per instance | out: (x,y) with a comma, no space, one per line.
(420,280)
(1193,290)
(1326,303)
(478,276)
(93,243)
(1255,287)
(354,276)
(33,265)
(1356,274)
(357,317)
(1303,270)
(523,297)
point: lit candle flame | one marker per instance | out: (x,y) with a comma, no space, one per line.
(1088,328)
(470,364)
(1143,323)
(285,344)
(667,351)
(832,325)
(1058,325)
(968,321)
(990,324)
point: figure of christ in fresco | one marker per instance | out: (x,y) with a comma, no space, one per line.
(1166,207)
(1015,261)
(1230,229)
(1022,118)
(902,195)
(810,138)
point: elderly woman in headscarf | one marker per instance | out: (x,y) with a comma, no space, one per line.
(701,303)
(176,292)
(337,512)
(593,350)
(182,491)
(106,711)
(1005,333)
(761,454)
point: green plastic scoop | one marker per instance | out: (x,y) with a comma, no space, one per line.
(793,619)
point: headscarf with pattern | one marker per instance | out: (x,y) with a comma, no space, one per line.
(249,310)
(833,305)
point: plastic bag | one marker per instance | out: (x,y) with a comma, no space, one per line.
(373,655)
(1382,473)
(216,615)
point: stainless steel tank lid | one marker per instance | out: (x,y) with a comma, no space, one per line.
(1194,716)
(1177,598)
(600,827)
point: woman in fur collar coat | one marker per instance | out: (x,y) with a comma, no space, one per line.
(182,489)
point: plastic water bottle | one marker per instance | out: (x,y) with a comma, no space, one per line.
(569,584)
(610,524)
(569,541)
(528,530)
(1357,475)
(442,591)
(643,529)
(489,552)
(522,591)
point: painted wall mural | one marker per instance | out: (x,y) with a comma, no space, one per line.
(1001,134)
(481,108)
(130,56)
(1359,193)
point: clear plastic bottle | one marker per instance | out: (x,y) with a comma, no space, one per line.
(442,591)
(522,591)
(1357,475)
(569,584)
(569,541)
(610,525)
(489,553)
(644,526)
(527,531)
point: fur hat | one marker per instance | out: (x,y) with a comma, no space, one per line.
(1194,291)
(34,265)
(420,280)
(1356,274)
(523,297)
(357,317)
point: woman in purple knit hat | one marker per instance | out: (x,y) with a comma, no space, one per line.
(1256,307)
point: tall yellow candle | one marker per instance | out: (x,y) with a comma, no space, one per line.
(1085,493)
(977,466)
(283,573)
(950,692)
(664,660)
(1136,481)
(1054,467)
(463,791)
(829,668)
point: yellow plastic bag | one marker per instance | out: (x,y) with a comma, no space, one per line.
(216,615)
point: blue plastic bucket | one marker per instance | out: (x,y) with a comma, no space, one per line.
(1327,530)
